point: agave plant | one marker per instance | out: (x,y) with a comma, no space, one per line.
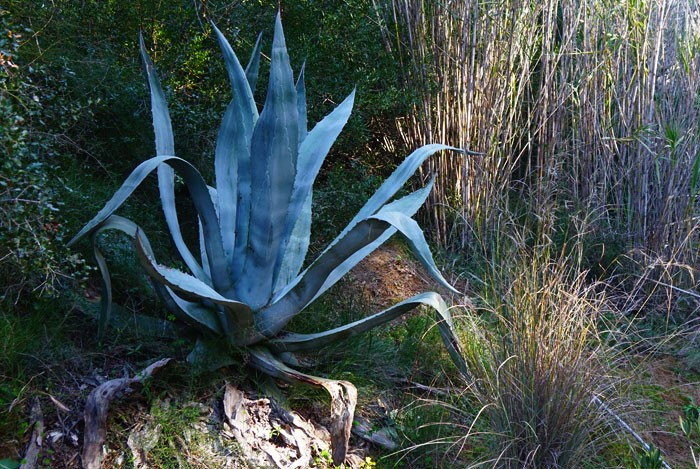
(247,282)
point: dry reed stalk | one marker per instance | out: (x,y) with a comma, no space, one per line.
(593,100)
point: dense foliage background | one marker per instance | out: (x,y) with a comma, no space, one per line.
(586,115)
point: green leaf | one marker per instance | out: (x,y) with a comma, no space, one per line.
(274,150)
(9,464)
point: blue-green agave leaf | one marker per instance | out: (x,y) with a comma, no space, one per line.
(312,152)
(301,104)
(113,222)
(293,342)
(251,70)
(202,240)
(203,317)
(165,145)
(232,156)
(303,342)
(397,179)
(343,254)
(409,228)
(210,354)
(236,317)
(199,193)
(274,151)
(296,248)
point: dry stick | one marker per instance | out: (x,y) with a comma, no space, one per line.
(624,425)
(96,409)
(35,443)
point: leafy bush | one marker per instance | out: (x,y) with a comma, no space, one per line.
(34,259)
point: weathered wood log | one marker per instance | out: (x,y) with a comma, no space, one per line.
(97,407)
(36,417)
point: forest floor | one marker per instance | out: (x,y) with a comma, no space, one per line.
(178,420)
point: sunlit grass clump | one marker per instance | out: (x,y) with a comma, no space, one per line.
(539,363)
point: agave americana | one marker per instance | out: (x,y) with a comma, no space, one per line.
(246,282)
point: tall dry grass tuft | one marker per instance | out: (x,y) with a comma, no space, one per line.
(597,99)
(539,362)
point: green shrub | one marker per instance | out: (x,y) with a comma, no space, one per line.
(32,232)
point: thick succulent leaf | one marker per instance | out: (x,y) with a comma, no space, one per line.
(293,342)
(301,104)
(202,316)
(397,179)
(202,240)
(343,397)
(409,228)
(232,156)
(312,152)
(253,67)
(237,318)
(165,142)
(210,354)
(106,299)
(199,193)
(114,222)
(305,342)
(274,150)
(165,145)
(189,313)
(238,77)
(342,255)
(296,248)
